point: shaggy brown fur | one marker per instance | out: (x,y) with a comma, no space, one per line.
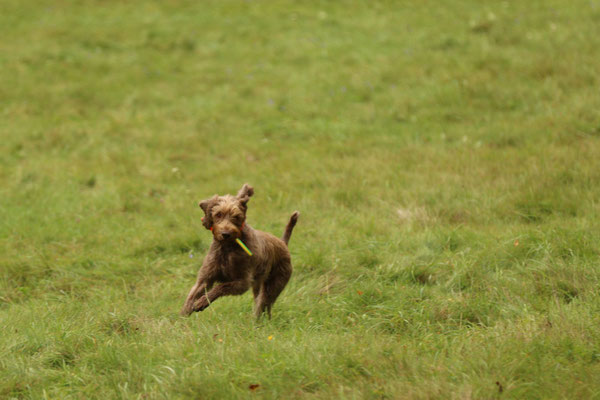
(267,271)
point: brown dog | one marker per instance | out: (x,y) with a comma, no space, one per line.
(267,270)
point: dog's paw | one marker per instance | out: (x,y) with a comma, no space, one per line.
(185,312)
(201,304)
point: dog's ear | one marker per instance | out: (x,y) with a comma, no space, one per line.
(206,206)
(244,194)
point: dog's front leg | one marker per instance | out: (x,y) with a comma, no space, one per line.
(204,282)
(197,291)
(224,289)
(207,276)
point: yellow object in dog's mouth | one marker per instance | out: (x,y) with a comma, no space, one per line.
(243,246)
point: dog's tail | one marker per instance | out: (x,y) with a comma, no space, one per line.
(290,227)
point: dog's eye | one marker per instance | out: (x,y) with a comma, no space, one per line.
(219,214)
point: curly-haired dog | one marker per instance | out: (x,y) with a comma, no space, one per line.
(267,270)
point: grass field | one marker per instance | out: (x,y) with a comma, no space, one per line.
(445,157)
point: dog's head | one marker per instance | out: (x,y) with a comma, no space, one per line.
(225,215)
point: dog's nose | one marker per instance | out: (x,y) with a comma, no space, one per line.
(226,235)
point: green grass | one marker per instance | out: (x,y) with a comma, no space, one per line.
(445,157)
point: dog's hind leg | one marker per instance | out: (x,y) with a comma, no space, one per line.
(275,283)
(260,303)
(256,286)
(259,299)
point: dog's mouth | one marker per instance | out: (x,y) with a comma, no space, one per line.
(226,236)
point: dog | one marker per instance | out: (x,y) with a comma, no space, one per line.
(267,270)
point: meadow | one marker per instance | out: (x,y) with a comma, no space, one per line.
(444,156)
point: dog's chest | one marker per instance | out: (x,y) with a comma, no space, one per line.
(234,266)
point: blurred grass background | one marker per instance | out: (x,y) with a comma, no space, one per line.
(445,157)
